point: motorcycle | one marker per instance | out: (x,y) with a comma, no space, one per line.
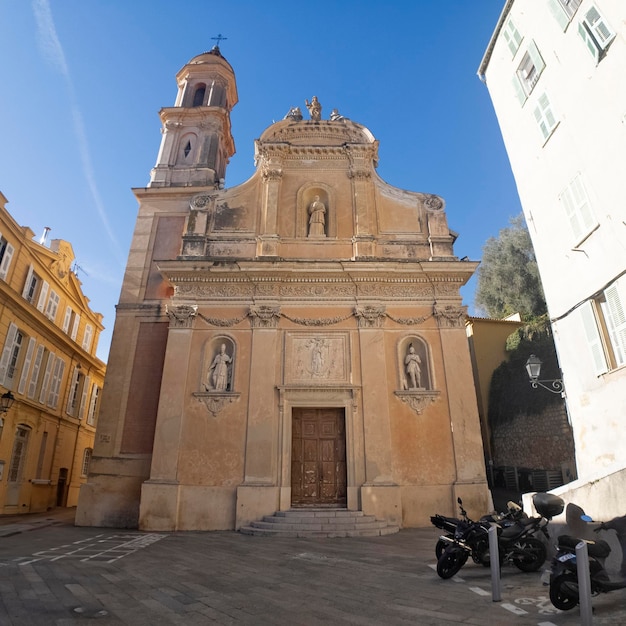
(517,543)
(449,524)
(564,574)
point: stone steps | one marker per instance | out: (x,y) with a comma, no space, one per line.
(319,523)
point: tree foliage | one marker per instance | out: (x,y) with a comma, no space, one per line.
(508,277)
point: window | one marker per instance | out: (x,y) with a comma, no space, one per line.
(596,33)
(55,382)
(46,377)
(10,355)
(53,306)
(578,209)
(87,337)
(6,254)
(18,455)
(529,71)
(563,10)
(71,321)
(93,405)
(604,322)
(544,116)
(86,461)
(198,96)
(26,366)
(72,399)
(511,36)
(34,377)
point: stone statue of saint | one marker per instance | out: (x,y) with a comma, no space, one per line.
(294,114)
(220,370)
(336,116)
(317,218)
(315,109)
(412,363)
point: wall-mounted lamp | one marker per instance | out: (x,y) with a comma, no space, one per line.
(6,401)
(533,367)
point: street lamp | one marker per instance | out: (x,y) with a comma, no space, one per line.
(6,401)
(533,367)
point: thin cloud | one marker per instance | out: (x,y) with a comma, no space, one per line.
(52,51)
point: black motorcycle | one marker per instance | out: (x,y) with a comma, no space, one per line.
(517,543)
(564,575)
(450,524)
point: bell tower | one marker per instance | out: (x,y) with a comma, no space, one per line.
(197,142)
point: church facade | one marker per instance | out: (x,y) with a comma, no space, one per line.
(296,341)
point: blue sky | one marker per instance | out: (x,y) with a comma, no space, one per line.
(83,81)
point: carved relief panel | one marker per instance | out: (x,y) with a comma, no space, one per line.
(317,358)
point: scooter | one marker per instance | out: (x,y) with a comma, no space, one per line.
(517,543)
(450,524)
(564,575)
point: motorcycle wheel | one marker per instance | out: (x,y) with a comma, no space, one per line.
(564,591)
(451,561)
(480,553)
(440,547)
(534,555)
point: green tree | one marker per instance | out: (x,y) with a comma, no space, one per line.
(508,276)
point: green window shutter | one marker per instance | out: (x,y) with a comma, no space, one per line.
(594,340)
(572,215)
(559,14)
(537,60)
(519,92)
(591,46)
(616,321)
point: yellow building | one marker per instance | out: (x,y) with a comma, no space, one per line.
(48,341)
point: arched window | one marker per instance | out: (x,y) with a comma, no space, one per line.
(86,461)
(198,96)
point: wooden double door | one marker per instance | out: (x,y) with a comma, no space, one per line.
(318,457)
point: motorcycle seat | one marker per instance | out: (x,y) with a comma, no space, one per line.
(599,549)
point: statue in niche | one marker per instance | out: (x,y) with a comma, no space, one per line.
(315,109)
(413,369)
(317,218)
(219,372)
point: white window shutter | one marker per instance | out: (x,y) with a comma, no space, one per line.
(87,337)
(6,261)
(83,397)
(536,57)
(75,327)
(6,352)
(67,318)
(29,277)
(43,296)
(46,377)
(519,91)
(26,367)
(594,340)
(32,386)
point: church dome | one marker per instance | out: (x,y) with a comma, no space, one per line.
(323,133)
(209,57)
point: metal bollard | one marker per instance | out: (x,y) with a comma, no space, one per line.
(494,558)
(584,584)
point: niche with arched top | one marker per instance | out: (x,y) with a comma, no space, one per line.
(219,365)
(414,364)
(316,216)
(186,149)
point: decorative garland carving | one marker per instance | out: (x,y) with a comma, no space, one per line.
(359,173)
(370,316)
(326,321)
(264,316)
(181,316)
(214,321)
(215,401)
(409,321)
(418,400)
(450,316)
(271,173)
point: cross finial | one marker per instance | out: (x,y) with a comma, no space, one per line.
(219,38)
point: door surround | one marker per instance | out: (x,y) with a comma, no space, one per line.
(345,397)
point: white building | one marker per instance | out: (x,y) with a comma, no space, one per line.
(555,73)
